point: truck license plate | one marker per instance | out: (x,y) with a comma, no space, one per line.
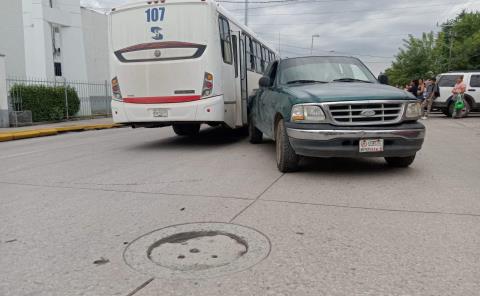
(371,145)
(160,112)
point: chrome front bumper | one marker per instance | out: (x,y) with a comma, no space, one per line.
(326,135)
(399,141)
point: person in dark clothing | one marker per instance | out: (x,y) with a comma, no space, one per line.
(414,87)
(431,94)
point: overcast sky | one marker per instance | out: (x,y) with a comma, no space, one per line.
(370,29)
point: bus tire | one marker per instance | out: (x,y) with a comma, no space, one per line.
(287,159)
(255,136)
(186,129)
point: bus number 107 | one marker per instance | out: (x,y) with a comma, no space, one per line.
(155,14)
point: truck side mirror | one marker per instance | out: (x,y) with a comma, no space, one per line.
(265,82)
(383,79)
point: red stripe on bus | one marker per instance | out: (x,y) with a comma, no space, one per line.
(160,100)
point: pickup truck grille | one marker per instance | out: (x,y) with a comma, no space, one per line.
(366,113)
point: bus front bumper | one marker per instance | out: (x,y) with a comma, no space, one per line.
(328,141)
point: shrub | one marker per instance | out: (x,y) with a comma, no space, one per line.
(47,103)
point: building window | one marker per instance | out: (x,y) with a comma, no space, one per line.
(58,69)
(225,40)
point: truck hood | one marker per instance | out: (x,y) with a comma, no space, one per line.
(344,91)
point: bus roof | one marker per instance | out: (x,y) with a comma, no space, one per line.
(219,8)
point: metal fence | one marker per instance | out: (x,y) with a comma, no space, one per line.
(95,97)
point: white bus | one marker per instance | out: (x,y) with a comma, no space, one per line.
(182,63)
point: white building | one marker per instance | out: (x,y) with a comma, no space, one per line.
(48,38)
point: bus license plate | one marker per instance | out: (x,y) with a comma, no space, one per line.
(371,145)
(160,112)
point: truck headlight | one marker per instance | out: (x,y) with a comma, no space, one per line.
(307,113)
(414,110)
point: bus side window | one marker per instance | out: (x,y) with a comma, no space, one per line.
(250,54)
(272,73)
(258,57)
(225,40)
(235,53)
(264,59)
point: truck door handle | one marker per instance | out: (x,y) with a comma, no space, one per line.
(472,89)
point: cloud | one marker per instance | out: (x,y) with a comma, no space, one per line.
(372,30)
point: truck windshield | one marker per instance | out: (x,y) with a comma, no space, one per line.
(324,69)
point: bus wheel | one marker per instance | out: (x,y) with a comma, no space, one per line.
(186,129)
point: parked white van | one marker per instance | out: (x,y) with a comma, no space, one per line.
(446,82)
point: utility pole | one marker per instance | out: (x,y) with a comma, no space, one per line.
(311,47)
(450,49)
(246,12)
(279,46)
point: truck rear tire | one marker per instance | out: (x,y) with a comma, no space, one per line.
(400,162)
(186,129)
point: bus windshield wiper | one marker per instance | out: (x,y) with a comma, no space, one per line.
(305,81)
(347,79)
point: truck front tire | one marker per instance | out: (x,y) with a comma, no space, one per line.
(287,159)
(400,162)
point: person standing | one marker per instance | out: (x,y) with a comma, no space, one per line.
(431,93)
(458,92)
(414,87)
(420,89)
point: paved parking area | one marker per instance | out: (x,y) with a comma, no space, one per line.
(71,204)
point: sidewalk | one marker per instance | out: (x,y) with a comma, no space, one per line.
(16,133)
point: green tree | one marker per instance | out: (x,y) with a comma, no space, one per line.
(414,61)
(463,36)
(455,47)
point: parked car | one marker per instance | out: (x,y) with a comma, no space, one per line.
(446,82)
(333,107)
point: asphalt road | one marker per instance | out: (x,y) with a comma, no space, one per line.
(71,204)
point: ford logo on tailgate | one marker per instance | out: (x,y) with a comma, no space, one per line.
(368,113)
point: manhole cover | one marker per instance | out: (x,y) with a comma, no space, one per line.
(197,250)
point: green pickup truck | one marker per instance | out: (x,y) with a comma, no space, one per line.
(333,107)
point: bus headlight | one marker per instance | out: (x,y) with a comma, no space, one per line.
(207,85)
(414,110)
(307,113)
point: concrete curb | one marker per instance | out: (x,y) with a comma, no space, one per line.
(43,132)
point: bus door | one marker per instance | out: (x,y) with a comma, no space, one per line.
(243,76)
(238,86)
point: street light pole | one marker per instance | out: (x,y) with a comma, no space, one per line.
(311,47)
(246,12)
